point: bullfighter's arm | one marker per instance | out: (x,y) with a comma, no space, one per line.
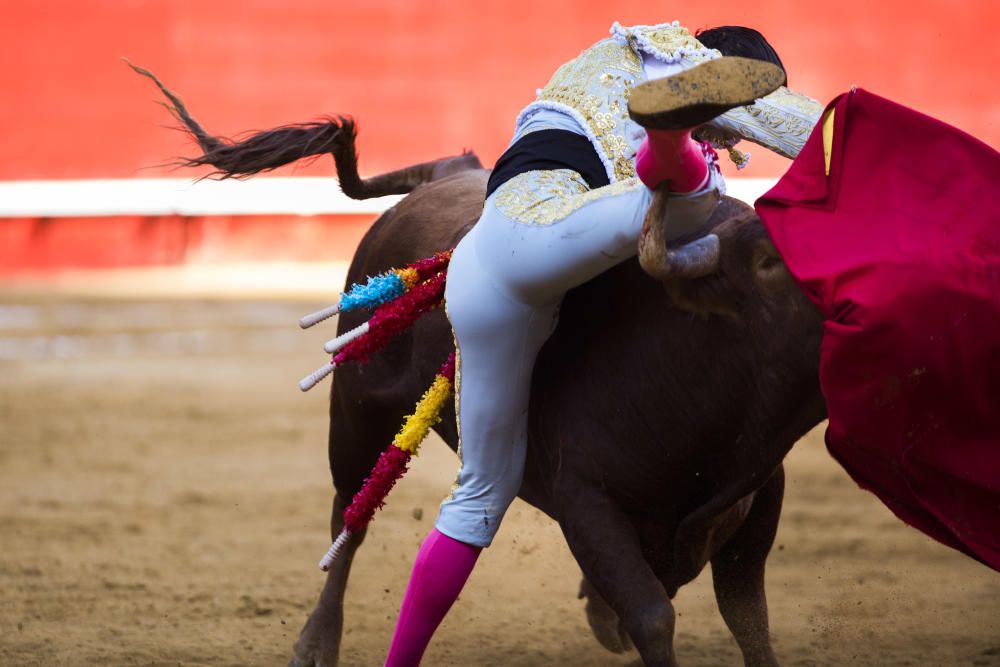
(781,122)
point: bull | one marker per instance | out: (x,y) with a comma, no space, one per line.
(661,407)
(713,370)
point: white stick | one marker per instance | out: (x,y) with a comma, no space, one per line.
(309,381)
(331,555)
(319,316)
(343,339)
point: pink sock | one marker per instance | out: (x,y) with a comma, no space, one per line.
(439,573)
(671,156)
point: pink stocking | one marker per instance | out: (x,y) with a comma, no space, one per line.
(671,156)
(439,573)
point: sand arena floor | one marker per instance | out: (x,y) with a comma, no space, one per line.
(164,498)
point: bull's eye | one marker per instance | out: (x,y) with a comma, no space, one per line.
(769,269)
(769,262)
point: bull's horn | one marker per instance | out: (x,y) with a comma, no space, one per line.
(696,259)
(652,239)
(693,260)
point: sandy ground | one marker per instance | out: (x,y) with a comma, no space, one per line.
(164,499)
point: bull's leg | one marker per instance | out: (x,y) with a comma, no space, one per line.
(318,644)
(606,545)
(738,575)
(360,428)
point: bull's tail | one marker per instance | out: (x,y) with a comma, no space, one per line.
(270,149)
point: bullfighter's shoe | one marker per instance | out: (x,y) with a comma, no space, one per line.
(671,107)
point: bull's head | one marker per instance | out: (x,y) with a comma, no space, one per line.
(729,268)
(758,326)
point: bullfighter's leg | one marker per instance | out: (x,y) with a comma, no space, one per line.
(738,575)
(606,544)
(498,340)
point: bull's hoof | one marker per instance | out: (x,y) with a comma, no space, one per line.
(311,660)
(319,643)
(604,622)
(317,658)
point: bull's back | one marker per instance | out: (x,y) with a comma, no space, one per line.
(432,218)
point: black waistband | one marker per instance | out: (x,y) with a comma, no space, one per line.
(549,149)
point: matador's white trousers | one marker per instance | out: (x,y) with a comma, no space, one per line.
(541,234)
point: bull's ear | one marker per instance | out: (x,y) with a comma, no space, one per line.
(690,283)
(704,287)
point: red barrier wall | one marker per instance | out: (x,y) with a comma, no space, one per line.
(424,78)
(32,245)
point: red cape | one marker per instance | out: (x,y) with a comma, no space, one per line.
(899,247)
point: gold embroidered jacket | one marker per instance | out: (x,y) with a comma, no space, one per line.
(594,87)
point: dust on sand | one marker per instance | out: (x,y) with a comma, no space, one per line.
(164,498)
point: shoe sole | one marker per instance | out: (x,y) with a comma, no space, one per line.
(695,96)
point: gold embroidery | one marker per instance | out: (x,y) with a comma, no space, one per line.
(669,43)
(546,197)
(458,417)
(596,85)
(720,140)
(781,121)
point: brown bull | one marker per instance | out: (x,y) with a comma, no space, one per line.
(658,418)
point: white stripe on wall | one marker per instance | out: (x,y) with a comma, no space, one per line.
(749,189)
(184,197)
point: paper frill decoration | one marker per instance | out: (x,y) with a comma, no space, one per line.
(392,463)
(389,320)
(381,288)
(399,297)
